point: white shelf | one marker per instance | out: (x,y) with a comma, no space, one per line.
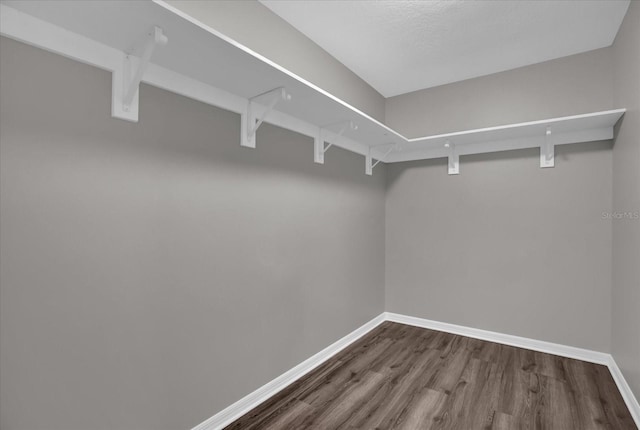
(203,64)
(587,127)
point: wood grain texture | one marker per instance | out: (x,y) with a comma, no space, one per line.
(404,377)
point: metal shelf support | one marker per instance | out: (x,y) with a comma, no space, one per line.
(251,121)
(370,164)
(319,147)
(126,80)
(453,159)
(547,151)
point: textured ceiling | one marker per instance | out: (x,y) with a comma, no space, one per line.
(399,46)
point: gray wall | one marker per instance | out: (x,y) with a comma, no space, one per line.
(154,273)
(626,199)
(506,246)
(261,30)
(572,85)
(151,274)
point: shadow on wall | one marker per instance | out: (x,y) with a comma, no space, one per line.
(172,129)
(616,129)
(564,154)
(278,151)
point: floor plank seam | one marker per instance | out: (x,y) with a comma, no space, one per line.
(404,339)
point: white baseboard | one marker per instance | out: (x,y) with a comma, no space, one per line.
(252,400)
(625,391)
(505,339)
(244,405)
(535,345)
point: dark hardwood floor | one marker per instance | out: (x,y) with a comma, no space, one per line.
(404,377)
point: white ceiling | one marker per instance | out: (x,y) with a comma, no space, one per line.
(399,46)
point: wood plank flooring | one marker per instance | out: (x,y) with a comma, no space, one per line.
(404,377)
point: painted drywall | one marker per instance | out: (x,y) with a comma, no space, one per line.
(506,246)
(626,201)
(258,28)
(572,85)
(154,273)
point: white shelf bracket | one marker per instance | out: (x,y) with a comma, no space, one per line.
(370,164)
(453,159)
(126,80)
(250,121)
(319,147)
(547,151)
